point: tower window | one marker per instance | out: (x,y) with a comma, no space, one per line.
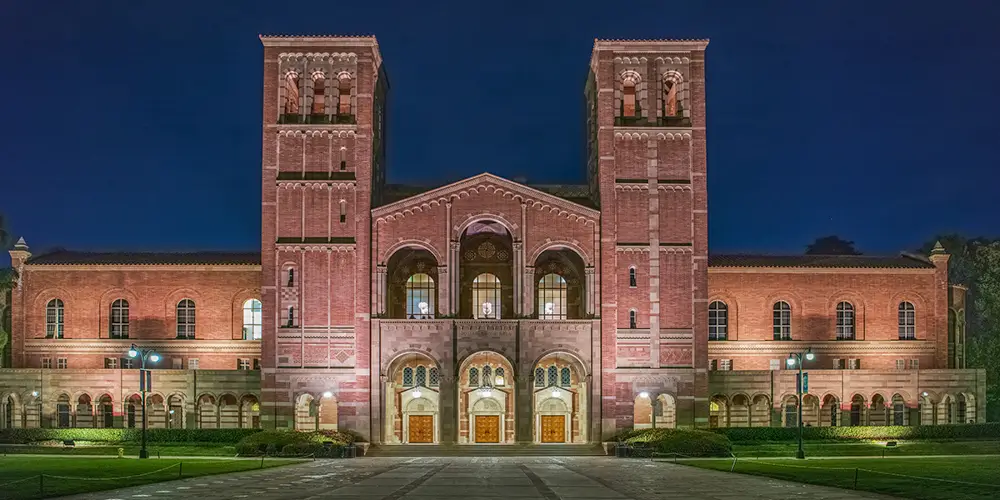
(628,98)
(631,277)
(907,321)
(343,211)
(343,158)
(253,320)
(119,319)
(845,321)
(54,319)
(291,277)
(291,316)
(632,318)
(291,93)
(319,89)
(718,320)
(344,90)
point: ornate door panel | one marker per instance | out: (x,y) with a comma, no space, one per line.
(487,428)
(553,428)
(421,429)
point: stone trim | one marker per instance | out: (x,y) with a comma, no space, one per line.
(887,347)
(164,346)
(820,270)
(141,267)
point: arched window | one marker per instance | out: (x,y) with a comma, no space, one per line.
(907,321)
(319,89)
(421,376)
(499,377)
(898,412)
(553,375)
(473,377)
(434,377)
(487,376)
(119,319)
(671,106)
(486,296)
(631,277)
(718,320)
(407,377)
(253,321)
(782,321)
(845,321)
(565,378)
(291,277)
(629,107)
(54,319)
(344,95)
(291,317)
(552,297)
(632,318)
(185,319)
(791,414)
(343,211)
(539,377)
(291,93)
(420,297)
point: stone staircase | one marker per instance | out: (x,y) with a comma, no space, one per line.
(481,450)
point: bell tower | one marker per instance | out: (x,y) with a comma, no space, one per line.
(323,167)
(646,162)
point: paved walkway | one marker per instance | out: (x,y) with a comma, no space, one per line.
(591,478)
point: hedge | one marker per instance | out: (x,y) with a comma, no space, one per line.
(275,442)
(690,443)
(861,433)
(219,436)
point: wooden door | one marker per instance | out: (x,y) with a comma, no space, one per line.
(421,429)
(487,428)
(553,428)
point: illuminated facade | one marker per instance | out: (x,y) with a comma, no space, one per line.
(486,310)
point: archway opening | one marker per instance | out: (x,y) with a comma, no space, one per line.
(229,412)
(412,275)
(84,411)
(739,411)
(106,411)
(157,411)
(665,412)
(486,274)
(830,412)
(413,400)
(249,412)
(559,400)
(486,399)
(559,285)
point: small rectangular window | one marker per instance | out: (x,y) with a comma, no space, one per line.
(343,164)
(854,364)
(631,277)
(127,363)
(192,363)
(725,364)
(914,364)
(713,364)
(775,364)
(243,364)
(632,319)
(291,277)
(47,363)
(111,363)
(256,363)
(900,364)
(61,363)
(177,364)
(838,364)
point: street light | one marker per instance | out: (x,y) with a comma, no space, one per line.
(801,386)
(145,381)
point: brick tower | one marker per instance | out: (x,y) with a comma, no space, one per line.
(323,157)
(647,165)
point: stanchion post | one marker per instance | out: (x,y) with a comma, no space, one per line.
(734,464)
(180,470)
(262,461)
(41,484)
(855,478)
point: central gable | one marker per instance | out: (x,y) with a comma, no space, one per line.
(482,187)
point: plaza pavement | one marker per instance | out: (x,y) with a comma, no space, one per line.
(469,478)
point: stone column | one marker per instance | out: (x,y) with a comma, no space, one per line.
(523,411)
(529,289)
(588,289)
(448,408)
(454,275)
(518,282)
(381,273)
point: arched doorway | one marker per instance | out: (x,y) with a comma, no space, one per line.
(830,412)
(133,411)
(249,412)
(877,411)
(175,411)
(486,275)
(208,412)
(760,411)
(665,414)
(486,399)
(739,411)
(157,411)
(314,414)
(412,400)
(106,412)
(229,412)
(84,411)
(642,411)
(8,412)
(718,411)
(858,411)
(559,400)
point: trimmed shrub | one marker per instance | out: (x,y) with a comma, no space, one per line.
(159,436)
(318,450)
(276,442)
(862,433)
(684,442)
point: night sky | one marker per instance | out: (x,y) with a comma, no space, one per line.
(139,127)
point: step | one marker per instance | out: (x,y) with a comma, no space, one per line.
(514,450)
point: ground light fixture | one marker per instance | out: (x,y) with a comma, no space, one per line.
(145,382)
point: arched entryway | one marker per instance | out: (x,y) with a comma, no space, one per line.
(413,400)
(249,412)
(559,400)
(486,273)
(175,411)
(665,412)
(314,413)
(105,412)
(486,399)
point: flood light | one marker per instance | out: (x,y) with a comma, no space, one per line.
(417,393)
(643,394)
(810,356)
(327,394)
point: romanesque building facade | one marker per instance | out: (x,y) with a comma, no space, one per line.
(485,310)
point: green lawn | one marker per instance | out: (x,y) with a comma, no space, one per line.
(69,475)
(935,477)
(131,450)
(859,449)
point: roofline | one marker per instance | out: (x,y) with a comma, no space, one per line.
(316,40)
(439,191)
(681,44)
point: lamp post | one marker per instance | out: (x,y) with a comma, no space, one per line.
(801,386)
(145,381)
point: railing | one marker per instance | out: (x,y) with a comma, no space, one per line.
(317,119)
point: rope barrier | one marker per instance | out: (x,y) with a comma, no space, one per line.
(18,481)
(111,478)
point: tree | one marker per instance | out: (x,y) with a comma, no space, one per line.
(831,245)
(7,279)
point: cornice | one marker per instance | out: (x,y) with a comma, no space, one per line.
(661,45)
(340,130)
(489,183)
(829,347)
(316,247)
(139,267)
(168,346)
(640,134)
(820,270)
(318,184)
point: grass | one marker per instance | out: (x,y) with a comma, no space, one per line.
(862,449)
(935,476)
(130,450)
(70,475)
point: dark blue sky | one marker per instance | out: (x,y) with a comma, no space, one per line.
(139,127)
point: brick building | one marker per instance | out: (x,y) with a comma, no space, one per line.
(485,310)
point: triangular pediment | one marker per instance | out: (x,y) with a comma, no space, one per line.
(490,184)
